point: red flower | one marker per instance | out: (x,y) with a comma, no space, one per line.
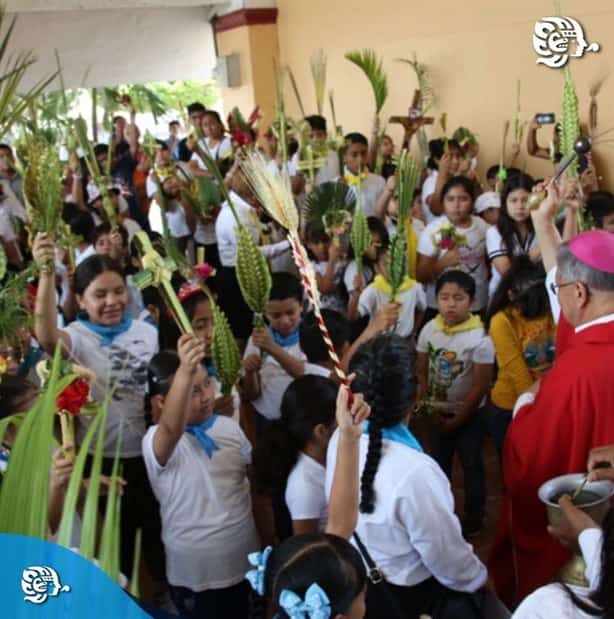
(447,243)
(73,397)
(204,270)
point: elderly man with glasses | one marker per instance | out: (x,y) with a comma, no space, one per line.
(563,416)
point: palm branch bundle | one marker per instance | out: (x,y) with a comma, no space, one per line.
(329,207)
(397,263)
(242,130)
(502,173)
(372,67)
(409,175)
(203,194)
(224,351)
(570,121)
(43,187)
(360,235)
(318,73)
(275,194)
(15,317)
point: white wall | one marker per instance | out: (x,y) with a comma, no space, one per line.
(118,46)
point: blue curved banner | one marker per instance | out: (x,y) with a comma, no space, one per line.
(40,580)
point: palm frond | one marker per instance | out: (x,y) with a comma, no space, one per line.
(15,318)
(425,85)
(318,72)
(297,94)
(326,199)
(373,69)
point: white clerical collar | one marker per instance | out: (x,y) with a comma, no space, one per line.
(598,321)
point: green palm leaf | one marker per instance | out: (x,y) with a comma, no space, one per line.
(373,69)
(318,72)
(327,198)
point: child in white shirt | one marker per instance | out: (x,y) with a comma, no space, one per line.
(455,365)
(197,463)
(273,356)
(410,297)
(356,172)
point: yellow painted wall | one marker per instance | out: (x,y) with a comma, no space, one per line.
(476,50)
(257,46)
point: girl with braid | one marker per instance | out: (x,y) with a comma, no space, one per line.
(406,519)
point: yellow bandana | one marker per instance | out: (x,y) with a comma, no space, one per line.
(355,180)
(473,322)
(382,284)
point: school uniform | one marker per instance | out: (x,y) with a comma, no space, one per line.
(411,297)
(176,220)
(495,248)
(274,380)
(552,601)
(218,152)
(305,495)
(207,523)
(413,534)
(472,251)
(230,298)
(452,351)
(428,188)
(371,188)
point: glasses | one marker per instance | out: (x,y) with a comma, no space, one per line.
(556,287)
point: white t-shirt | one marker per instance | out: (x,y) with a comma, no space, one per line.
(451,359)
(332,300)
(132,227)
(416,224)
(274,380)
(413,532)
(495,248)
(412,300)
(122,367)
(371,189)
(205,505)
(472,256)
(552,601)
(428,187)
(7,228)
(305,496)
(328,172)
(220,151)
(350,274)
(177,224)
(83,254)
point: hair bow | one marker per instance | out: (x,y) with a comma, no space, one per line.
(256,577)
(315,606)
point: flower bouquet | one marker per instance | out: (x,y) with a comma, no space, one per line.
(447,237)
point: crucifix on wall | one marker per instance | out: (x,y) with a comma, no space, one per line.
(414,119)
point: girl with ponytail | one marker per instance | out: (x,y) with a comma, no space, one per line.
(406,520)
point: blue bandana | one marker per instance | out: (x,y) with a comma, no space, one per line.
(288,340)
(108,334)
(400,434)
(210,367)
(199,432)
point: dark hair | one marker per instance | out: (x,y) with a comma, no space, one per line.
(316,122)
(460,278)
(5,146)
(101,149)
(385,373)
(599,205)
(105,228)
(508,228)
(286,286)
(196,107)
(307,402)
(160,373)
(174,122)
(168,331)
(437,149)
(151,296)
(315,233)
(459,181)
(356,138)
(492,171)
(91,268)
(82,224)
(329,560)
(310,336)
(162,145)
(215,116)
(12,388)
(522,287)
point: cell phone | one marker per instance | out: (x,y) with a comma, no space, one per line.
(545,119)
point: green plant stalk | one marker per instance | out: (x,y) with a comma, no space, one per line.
(397,264)
(108,556)
(134,581)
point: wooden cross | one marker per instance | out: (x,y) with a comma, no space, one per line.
(414,119)
(158,271)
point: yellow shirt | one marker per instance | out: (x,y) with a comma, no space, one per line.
(524,350)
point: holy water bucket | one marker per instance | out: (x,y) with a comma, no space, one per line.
(594,500)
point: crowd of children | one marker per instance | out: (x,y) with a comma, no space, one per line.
(272,479)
